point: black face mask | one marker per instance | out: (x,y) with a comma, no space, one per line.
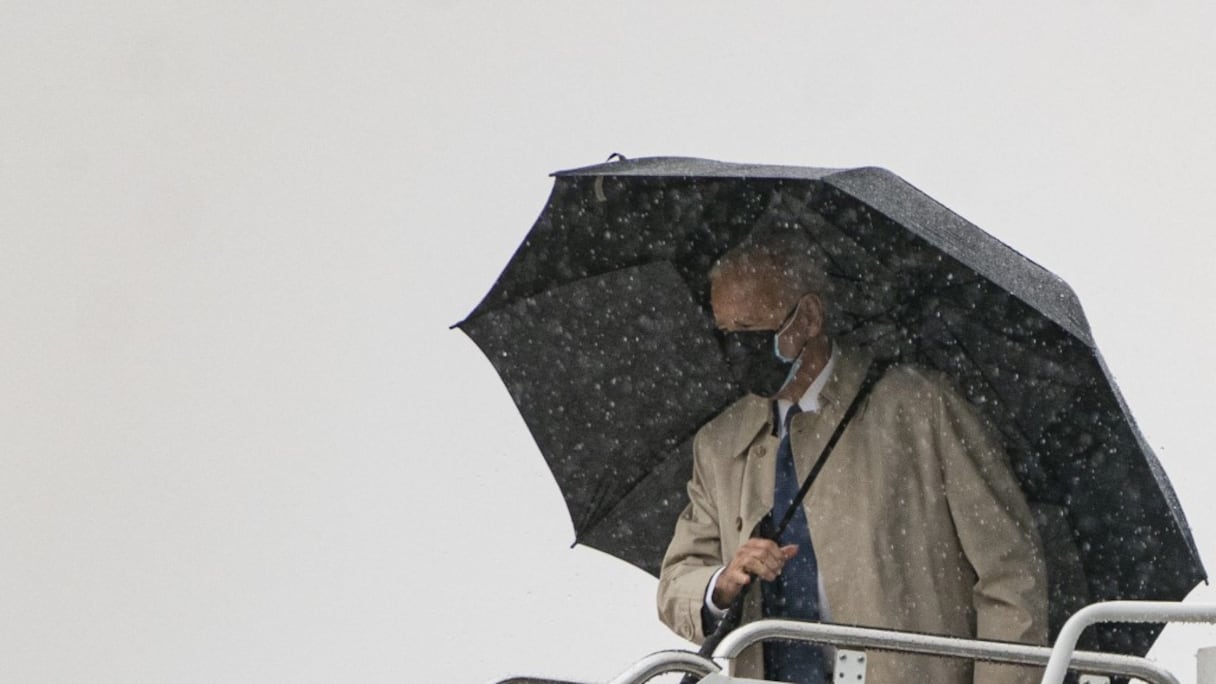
(753,363)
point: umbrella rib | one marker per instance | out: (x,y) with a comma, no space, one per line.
(598,495)
(852,239)
(861,322)
(504,303)
(684,437)
(984,375)
(593,518)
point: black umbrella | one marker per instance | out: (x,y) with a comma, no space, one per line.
(600,329)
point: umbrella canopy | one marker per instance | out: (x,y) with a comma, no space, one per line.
(601,330)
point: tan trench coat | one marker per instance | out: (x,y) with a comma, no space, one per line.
(917,522)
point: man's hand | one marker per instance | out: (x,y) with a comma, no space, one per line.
(759,557)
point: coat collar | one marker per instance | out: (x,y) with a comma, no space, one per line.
(756,413)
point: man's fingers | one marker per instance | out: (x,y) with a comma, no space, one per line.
(759,564)
(759,557)
(763,558)
(766,550)
(761,568)
(764,545)
(774,558)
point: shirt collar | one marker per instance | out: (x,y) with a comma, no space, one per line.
(809,402)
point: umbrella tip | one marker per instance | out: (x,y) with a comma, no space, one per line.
(599,180)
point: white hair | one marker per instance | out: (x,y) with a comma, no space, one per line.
(781,249)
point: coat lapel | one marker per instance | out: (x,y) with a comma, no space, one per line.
(809,432)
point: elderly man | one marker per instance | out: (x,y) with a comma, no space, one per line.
(915,523)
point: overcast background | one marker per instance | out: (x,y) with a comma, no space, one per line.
(239,443)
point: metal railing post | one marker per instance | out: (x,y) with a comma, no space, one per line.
(1117,611)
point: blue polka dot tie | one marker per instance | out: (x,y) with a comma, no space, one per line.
(795,592)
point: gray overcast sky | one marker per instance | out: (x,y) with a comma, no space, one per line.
(238,442)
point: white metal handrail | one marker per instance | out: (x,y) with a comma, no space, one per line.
(1116,611)
(930,644)
(1058,659)
(663,662)
(888,640)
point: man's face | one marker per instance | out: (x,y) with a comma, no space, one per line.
(749,297)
